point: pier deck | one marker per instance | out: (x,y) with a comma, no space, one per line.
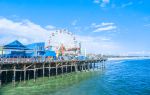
(12,70)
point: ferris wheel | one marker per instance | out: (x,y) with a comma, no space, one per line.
(64,41)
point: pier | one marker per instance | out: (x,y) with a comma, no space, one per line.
(13,70)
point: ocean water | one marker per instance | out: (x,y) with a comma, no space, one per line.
(121,77)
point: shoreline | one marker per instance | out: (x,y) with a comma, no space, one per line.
(128,58)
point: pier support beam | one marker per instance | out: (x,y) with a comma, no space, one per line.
(14,75)
(56,68)
(6,77)
(28,74)
(49,70)
(62,69)
(20,75)
(88,66)
(76,67)
(71,67)
(82,67)
(103,62)
(0,76)
(24,73)
(93,66)
(34,72)
(43,70)
(66,67)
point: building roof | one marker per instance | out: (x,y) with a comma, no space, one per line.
(15,45)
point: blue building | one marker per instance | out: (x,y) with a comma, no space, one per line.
(38,49)
(14,49)
(17,49)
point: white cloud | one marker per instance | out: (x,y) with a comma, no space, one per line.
(103,27)
(102,3)
(25,31)
(50,27)
(147,25)
(102,24)
(98,44)
(126,4)
(108,28)
(97,1)
(74,22)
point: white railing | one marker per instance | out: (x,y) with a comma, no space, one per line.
(22,59)
(11,60)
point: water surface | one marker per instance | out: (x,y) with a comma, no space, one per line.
(121,77)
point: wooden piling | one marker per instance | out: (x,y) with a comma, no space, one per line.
(49,70)
(27,69)
(6,77)
(93,66)
(34,72)
(56,68)
(71,67)
(0,76)
(66,67)
(14,75)
(28,74)
(76,67)
(104,63)
(88,66)
(24,73)
(20,75)
(62,68)
(43,70)
(82,66)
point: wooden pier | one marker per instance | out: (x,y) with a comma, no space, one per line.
(12,71)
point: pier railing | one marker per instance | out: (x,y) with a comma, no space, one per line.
(19,60)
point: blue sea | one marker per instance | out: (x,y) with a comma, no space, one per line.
(120,77)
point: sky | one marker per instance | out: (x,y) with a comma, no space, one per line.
(102,26)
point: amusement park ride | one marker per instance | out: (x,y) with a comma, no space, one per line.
(63,43)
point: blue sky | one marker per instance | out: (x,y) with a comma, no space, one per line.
(103,26)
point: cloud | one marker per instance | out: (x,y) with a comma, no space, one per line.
(50,27)
(74,22)
(104,27)
(126,4)
(98,44)
(102,3)
(24,31)
(97,1)
(147,25)
(102,24)
(28,32)
(108,28)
